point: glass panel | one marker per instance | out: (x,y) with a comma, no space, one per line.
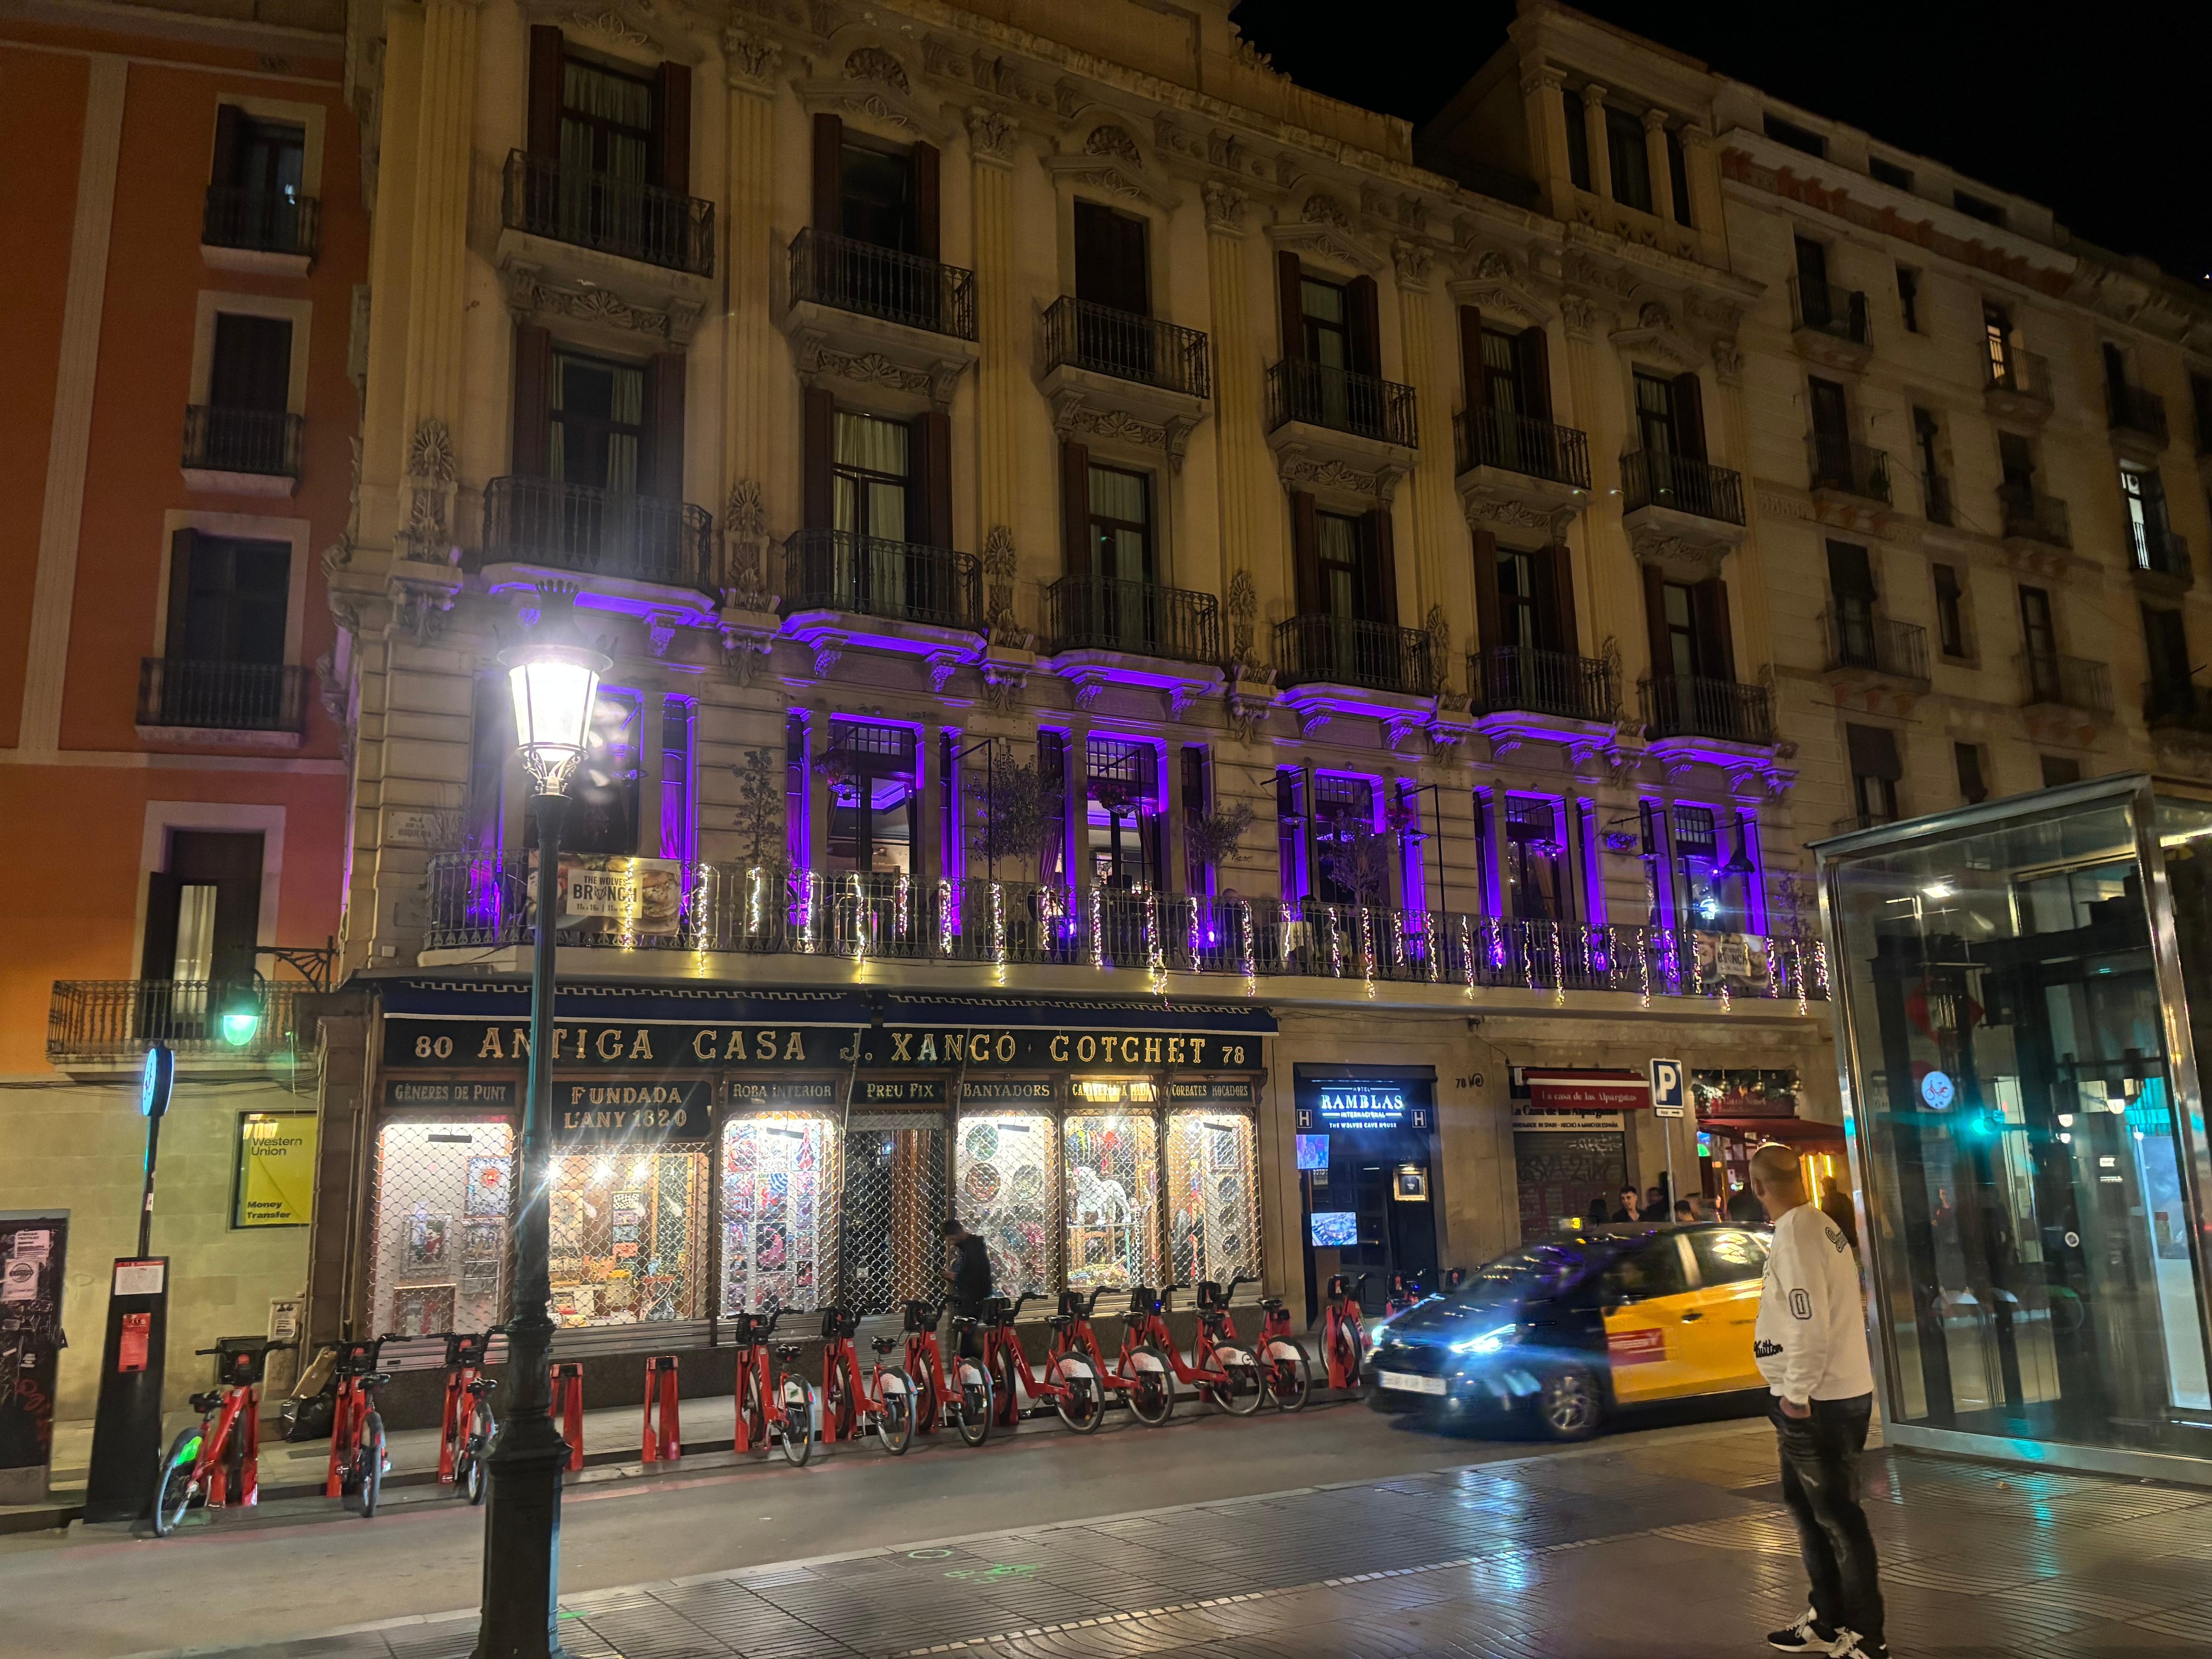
(439,1247)
(628,1235)
(1003,1191)
(779,1211)
(1117,494)
(1112,1166)
(871,444)
(2023,1155)
(1213,1196)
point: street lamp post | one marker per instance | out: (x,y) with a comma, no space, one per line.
(555,679)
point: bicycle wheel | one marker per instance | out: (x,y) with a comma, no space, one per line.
(1347,1347)
(751,1413)
(474,1479)
(802,1409)
(1082,1401)
(1290,1375)
(371,1464)
(836,1406)
(895,1413)
(1151,1391)
(971,1401)
(1246,1388)
(174,1491)
(1005,1401)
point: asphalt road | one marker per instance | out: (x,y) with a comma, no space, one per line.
(302,1566)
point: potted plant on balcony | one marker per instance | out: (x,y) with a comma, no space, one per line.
(758,819)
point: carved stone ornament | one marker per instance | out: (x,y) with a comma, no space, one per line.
(747,652)
(1322,209)
(428,535)
(1492,267)
(1412,263)
(943,666)
(753,60)
(1251,689)
(1002,687)
(827,649)
(991,135)
(1243,607)
(1438,626)
(1225,205)
(419,609)
(660,632)
(1299,470)
(1110,140)
(874,63)
(1580,314)
(338,556)
(819,361)
(1000,565)
(611,24)
(531,296)
(1493,508)
(1728,362)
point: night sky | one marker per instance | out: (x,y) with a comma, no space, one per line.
(2098,110)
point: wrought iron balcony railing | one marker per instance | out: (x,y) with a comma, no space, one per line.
(838,570)
(1520,679)
(1859,640)
(1682,485)
(2021,373)
(261,222)
(92,1021)
(1096,613)
(2172,707)
(2135,410)
(2063,682)
(881,282)
(2160,551)
(1329,650)
(599,532)
(1126,346)
(1838,312)
(1854,468)
(261,442)
(2029,516)
(1519,443)
(484,901)
(546,197)
(1342,401)
(1691,706)
(220,696)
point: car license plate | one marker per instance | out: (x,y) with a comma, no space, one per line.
(1409,1383)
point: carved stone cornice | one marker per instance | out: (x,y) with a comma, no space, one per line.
(821,363)
(751,61)
(1225,207)
(991,135)
(532,294)
(1655,333)
(1324,239)
(1413,262)
(873,86)
(1088,414)
(1112,176)
(1302,470)
(1494,285)
(659,28)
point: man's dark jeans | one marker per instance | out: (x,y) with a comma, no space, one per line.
(1821,1484)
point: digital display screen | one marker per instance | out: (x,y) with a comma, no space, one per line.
(1313,1152)
(1334,1228)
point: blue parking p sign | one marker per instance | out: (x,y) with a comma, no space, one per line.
(1667,1088)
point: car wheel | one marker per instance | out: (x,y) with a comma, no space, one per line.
(1568,1406)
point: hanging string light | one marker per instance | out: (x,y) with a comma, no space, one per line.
(999,930)
(1335,943)
(1820,966)
(1251,961)
(753,904)
(1466,952)
(1367,947)
(1797,972)
(1495,929)
(900,912)
(946,935)
(1097,930)
(1559,966)
(806,914)
(1644,968)
(864,919)
(1156,961)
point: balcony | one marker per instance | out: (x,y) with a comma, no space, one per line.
(181,699)
(1311,394)
(1830,323)
(1848,469)
(1936,506)
(2177,708)
(1555,684)
(2161,558)
(1517,470)
(1328,650)
(632,548)
(1862,643)
(2016,386)
(242,228)
(563,202)
(1156,377)
(2050,681)
(1093,613)
(838,571)
(2137,419)
(2031,517)
(602,260)
(1671,505)
(479,904)
(881,282)
(112,1022)
(1677,706)
(241,452)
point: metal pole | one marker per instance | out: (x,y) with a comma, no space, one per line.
(146,1208)
(522,1522)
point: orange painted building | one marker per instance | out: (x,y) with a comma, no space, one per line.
(188,239)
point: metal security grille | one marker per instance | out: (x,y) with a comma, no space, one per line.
(439,1257)
(1004,1190)
(626,1231)
(1111,1194)
(1213,1195)
(779,1211)
(894,1167)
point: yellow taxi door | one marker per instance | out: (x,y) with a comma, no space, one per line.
(1649,1307)
(1717,1345)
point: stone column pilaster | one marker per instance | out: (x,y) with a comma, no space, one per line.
(1239,446)
(1662,176)
(991,154)
(1544,103)
(1601,157)
(1430,511)
(754,394)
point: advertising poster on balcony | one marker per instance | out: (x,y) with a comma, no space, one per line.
(1737,961)
(632,895)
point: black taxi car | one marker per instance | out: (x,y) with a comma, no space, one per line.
(1569,1329)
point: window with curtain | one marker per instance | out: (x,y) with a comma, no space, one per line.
(606,122)
(1519,605)
(1325,312)
(1875,769)
(602,793)
(1343,577)
(1120,525)
(1535,859)
(869,473)
(1630,160)
(1654,416)
(598,421)
(1349,850)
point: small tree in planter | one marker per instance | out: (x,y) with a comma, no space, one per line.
(1014,802)
(1218,838)
(759,815)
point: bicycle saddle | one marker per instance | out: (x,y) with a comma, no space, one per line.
(483,1385)
(1060,1322)
(1272,1304)
(883,1344)
(785,1352)
(205,1402)
(1072,1305)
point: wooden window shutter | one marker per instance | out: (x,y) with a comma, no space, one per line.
(828,175)
(926,196)
(229,128)
(1075,507)
(1690,415)
(932,463)
(1716,649)
(159,961)
(1290,295)
(1382,571)
(182,546)
(1305,548)
(1486,604)
(1655,620)
(1535,363)
(1559,564)
(530,454)
(545,92)
(820,441)
(1366,324)
(671,166)
(664,393)
(1470,358)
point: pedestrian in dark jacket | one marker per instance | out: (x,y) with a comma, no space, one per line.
(969,1275)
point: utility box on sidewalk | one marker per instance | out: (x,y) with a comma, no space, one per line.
(32,1256)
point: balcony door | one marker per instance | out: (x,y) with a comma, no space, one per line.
(1997,343)
(2039,641)
(598,433)
(223,649)
(1813,282)
(2145,496)
(2171,692)
(1832,430)
(1535,860)
(1851,595)
(251,367)
(202,921)
(872,487)
(876,195)
(1120,593)
(1113,284)
(873,777)
(1670,430)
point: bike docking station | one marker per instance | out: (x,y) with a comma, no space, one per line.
(126,1429)
(568,1407)
(663,1439)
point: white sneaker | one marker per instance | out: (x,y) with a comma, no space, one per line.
(1850,1645)
(1805,1636)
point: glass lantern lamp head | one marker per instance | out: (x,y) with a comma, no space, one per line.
(555,679)
(240,1015)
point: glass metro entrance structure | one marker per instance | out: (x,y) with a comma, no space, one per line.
(2016,987)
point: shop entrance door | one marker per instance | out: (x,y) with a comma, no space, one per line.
(1396,1231)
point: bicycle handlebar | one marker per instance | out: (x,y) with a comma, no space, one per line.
(1241,1279)
(273,1348)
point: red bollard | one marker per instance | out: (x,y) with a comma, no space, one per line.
(664,1440)
(568,1406)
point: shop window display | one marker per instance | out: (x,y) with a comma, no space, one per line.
(627,1230)
(779,1211)
(443,1192)
(1213,1196)
(1111,1165)
(893,1200)
(1002,1189)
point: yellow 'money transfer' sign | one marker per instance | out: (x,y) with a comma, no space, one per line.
(276,1169)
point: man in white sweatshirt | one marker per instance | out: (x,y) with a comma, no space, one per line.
(1810,1343)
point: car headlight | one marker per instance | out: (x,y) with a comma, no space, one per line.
(1492,1341)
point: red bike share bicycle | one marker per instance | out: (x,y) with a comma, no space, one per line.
(215,1460)
(1148,1368)
(784,1406)
(465,1426)
(1225,1373)
(1343,1337)
(359,1460)
(884,1401)
(1070,1382)
(967,1403)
